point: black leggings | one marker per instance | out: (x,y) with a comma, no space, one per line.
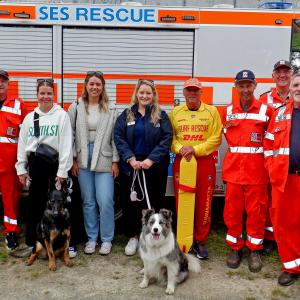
(43,180)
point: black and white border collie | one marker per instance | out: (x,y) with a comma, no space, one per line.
(163,260)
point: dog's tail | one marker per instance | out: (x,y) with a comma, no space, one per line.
(194,263)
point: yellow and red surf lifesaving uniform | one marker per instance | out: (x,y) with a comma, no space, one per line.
(200,129)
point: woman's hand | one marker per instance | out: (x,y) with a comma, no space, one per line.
(115,169)
(24,178)
(135,164)
(75,168)
(147,163)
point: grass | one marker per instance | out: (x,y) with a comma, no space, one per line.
(241,274)
(279,293)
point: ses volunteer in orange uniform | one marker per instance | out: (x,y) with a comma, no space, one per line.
(282,159)
(197,131)
(12,113)
(282,74)
(244,124)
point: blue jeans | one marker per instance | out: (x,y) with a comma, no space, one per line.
(97,192)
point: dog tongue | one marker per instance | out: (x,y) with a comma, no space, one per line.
(155,236)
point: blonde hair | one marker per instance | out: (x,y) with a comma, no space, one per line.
(103,99)
(155,111)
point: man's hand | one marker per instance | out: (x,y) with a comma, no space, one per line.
(187,152)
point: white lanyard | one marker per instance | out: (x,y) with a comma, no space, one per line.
(133,193)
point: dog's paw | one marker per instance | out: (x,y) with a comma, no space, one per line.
(143,284)
(141,271)
(170,290)
(68,263)
(52,267)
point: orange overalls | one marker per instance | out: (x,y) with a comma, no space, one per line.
(272,99)
(245,175)
(12,114)
(285,211)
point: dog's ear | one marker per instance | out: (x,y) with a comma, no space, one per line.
(147,213)
(166,213)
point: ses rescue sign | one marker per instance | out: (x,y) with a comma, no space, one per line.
(84,14)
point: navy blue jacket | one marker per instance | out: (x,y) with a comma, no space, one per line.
(158,138)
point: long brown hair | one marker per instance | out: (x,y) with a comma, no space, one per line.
(103,99)
(155,112)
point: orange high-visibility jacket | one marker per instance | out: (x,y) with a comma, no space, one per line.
(276,145)
(12,114)
(272,98)
(244,132)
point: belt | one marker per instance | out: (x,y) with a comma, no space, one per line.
(297,172)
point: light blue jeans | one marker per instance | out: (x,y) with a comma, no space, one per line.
(97,192)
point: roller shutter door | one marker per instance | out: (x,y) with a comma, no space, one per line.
(26,53)
(125,52)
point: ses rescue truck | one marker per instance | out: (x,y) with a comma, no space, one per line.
(168,45)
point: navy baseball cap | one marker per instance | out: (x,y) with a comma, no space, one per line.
(245,75)
(282,63)
(4,74)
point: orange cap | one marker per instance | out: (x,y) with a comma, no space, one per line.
(192,82)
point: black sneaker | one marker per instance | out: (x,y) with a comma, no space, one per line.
(200,251)
(11,241)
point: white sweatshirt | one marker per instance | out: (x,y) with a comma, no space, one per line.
(55,131)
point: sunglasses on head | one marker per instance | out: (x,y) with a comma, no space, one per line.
(92,73)
(149,81)
(48,80)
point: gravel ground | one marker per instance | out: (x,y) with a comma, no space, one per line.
(117,277)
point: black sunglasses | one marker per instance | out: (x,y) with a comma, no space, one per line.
(92,73)
(48,80)
(149,81)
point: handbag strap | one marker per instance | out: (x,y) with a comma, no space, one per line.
(36,124)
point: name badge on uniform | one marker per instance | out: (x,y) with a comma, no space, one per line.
(130,123)
(11,131)
(256,137)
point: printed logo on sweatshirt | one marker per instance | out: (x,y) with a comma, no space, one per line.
(47,130)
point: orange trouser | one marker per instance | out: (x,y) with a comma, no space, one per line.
(11,192)
(269,235)
(251,199)
(285,215)
(205,184)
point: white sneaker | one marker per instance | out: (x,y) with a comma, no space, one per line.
(90,247)
(131,246)
(105,248)
(72,251)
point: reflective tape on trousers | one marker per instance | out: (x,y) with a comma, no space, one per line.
(250,150)
(10,221)
(232,239)
(254,241)
(292,264)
